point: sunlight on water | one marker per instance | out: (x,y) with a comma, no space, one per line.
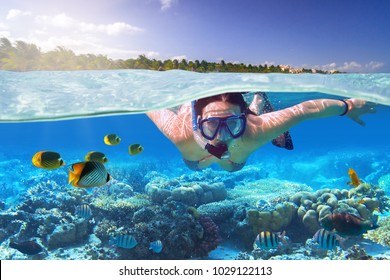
(45,95)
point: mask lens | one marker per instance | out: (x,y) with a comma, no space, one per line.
(235,126)
(209,127)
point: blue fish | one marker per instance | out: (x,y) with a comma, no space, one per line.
(268,240)
(83,211)
(326,240)
(123,241)
(156,246)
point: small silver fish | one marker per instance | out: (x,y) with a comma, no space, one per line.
(83,211)
(123,241)
(156,246)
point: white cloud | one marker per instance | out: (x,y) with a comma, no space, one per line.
(62,21)
(352,66)
(330,66)
(14,13)
(4,34)
(118,28)
(268,63)
(112,29)
(3,25)
(50,31)
(179,57)
(166,4)
(374,65)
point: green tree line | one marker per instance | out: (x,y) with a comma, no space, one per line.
(22,56)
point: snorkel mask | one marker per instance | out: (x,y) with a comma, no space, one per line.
(208,129)
(233,126)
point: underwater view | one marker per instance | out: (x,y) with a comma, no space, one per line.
(85,174)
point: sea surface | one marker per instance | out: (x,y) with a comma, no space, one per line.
(71,112)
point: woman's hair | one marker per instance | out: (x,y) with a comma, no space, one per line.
(234,98)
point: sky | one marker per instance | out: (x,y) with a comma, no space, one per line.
(348,35)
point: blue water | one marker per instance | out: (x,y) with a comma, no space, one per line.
(336,142)
(324,149)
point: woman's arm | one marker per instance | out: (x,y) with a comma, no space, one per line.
(176,127)
(165,120)
(270,125)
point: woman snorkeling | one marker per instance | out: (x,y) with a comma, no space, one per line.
(222,129)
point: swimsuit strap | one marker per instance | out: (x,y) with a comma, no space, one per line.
(236,166)
(205,158)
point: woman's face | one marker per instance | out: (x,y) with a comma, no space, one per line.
(221,109)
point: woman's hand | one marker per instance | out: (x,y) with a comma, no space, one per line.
(358,108)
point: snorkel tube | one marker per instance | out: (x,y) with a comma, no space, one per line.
(220,151)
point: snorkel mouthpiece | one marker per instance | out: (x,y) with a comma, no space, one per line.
(220,151)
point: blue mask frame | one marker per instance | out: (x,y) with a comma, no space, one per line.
(222,122)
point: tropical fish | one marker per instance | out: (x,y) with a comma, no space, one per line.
(88,174)
(96,156)
(156,246)
(135,149)
(83,211)
(326,240)
(112,139)
(347,224)
(47,160)
(355,181)
(123,241)
(268,240)
(27,247)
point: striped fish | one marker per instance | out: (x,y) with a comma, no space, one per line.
(268,240)
(326,240)
(123,241)
(83,211)
(156,246)
(88,174)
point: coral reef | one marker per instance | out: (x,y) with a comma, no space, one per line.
(189,193)
(191,213)
(47,214)
(275,220)
(361,201)
(210,239)
(380,235)
(384,183)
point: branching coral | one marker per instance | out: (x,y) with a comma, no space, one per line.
(267,189)
(110,203)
